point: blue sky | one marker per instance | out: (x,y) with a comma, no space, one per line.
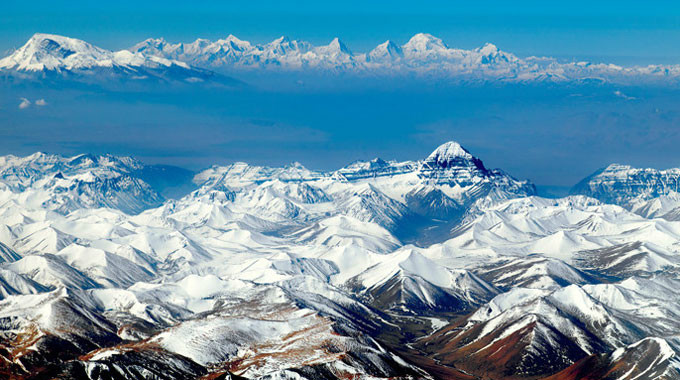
(621,32)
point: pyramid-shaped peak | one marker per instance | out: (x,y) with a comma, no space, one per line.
(448,151)
(385,51)
(452,155)
(232,37)
(389,46)
(338,45)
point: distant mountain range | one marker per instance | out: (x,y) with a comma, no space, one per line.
(422,56)
(439,268)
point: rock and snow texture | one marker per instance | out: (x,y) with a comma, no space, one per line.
(64,184)
(648,192)
(292,273)
(647,359)
(423,54)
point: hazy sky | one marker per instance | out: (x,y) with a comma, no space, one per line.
(621,31)
(552,135)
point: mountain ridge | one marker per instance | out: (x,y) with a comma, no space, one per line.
(423,55)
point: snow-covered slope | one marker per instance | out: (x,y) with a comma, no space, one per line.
(515,327)
(648,359)
(408,281)
(290,273)
(580,231)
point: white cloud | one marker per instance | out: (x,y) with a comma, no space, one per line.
(25,103)
(40,102)
(622,95)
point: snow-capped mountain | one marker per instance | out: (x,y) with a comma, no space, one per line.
(231,51)
(53,56)
(291,273)
(422,54)
(568,323)
(65,184)
(47,56)
(649,192)
(443,185)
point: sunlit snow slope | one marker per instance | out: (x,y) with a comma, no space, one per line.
(439,268)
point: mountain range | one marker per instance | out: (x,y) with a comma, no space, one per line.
(438,268)
(47,56)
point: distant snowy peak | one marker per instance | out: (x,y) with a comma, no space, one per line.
(53,54)
(633,187)
(64,184)
(21,172)
(423,54)
(336,47)
(490,54)
(422,43)
(56,53)
(386,51)
(374,168)
(419,52)
(232,52)
(284,45)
